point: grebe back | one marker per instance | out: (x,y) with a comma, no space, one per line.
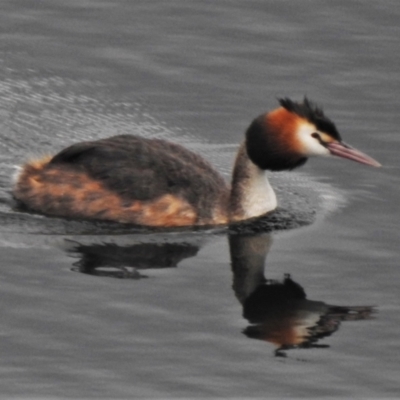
(154,182)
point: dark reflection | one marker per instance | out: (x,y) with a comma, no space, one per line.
(279,311)
(113,260)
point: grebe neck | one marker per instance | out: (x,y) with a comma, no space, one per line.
(251,193)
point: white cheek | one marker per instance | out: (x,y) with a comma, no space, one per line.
(310,146)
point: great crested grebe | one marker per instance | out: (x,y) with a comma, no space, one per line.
(153,182)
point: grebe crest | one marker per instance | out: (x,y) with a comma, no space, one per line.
(153,182)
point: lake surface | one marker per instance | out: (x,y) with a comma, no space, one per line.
(303,304)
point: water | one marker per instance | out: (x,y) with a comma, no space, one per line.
(102,311)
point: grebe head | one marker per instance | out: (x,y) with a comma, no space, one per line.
(286,137)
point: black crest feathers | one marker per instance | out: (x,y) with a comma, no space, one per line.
(312,113)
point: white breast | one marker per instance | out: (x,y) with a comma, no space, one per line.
(258,195)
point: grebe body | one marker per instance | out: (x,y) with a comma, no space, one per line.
(153,182)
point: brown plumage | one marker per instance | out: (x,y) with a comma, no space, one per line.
(88,184)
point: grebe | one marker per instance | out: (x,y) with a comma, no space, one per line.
(153,182)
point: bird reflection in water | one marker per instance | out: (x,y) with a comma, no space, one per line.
(113,260)
(279,311)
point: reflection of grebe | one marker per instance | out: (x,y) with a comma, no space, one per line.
(153,182)
(110,259)
(279,312)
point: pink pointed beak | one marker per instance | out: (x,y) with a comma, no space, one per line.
(343,150)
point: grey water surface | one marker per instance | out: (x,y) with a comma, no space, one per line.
(303,303)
